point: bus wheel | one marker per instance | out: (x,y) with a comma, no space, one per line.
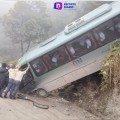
(42,93)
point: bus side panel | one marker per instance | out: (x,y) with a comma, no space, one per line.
(75,75)
(93,67)
(101,53)
(54,84)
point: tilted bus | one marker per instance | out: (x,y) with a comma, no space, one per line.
(74,53)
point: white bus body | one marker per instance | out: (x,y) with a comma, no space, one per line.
(74,53)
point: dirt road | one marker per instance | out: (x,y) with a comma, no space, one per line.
(59,110)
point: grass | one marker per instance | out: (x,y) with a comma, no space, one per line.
(111,68)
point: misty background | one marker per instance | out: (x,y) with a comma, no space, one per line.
(26,24)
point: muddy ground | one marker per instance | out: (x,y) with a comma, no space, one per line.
(59,109)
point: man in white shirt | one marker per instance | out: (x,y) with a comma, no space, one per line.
(89,44)
(18,77)
(72,50)
(12,74)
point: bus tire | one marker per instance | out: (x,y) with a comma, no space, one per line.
(42,93)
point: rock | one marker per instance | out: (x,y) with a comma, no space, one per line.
(53,106)
(10,110)
(66,113)
(67,109)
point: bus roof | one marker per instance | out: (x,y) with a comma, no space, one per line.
(62,38)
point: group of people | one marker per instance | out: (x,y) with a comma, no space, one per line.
(10,79)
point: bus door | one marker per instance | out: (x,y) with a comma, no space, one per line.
(27,83)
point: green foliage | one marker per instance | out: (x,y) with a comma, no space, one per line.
(111,68)
(27,22)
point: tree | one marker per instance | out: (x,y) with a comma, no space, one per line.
(27,22)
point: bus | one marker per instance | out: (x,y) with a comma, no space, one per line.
(74,53)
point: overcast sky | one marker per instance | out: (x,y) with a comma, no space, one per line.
(5,5)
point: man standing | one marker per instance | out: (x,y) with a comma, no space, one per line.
(4,78)
(12,73)
(18,77)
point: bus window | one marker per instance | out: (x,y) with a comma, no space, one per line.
(38,67)
(105,33)
(117,26)
(56,58)
(81,45)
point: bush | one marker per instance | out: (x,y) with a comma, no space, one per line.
(111,68)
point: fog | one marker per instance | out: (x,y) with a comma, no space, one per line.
(59,19)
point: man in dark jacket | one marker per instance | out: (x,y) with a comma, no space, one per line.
(4,78)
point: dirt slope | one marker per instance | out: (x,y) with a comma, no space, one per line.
(59,110)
